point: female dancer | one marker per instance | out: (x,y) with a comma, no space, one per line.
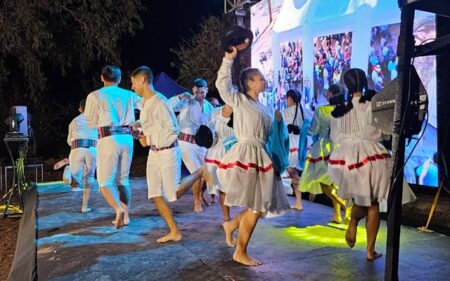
(220,119)
(315,179)
(360,165)
(293,116)
(246,171)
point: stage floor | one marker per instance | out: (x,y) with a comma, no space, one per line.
(298,246)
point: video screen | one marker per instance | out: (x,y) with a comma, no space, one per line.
(290,75)
(263,17)
(422,168)
(332,57)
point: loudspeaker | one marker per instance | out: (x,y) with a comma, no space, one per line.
(383,105)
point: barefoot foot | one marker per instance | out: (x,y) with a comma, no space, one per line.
(246,260)
(176,236)
(373,256)
(350,234)
(229,237)
(118,223)
(198,207)
(297,206)
(335,220)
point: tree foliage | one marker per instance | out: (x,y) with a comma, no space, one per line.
(202,54)
(43,41)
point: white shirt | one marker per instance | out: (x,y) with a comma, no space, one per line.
(111,106)
(159,122)
(78,129)
(191,114)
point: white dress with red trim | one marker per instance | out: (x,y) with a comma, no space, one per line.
(216,152)
(316,164)
(360,165)
(289,116)
(246,171)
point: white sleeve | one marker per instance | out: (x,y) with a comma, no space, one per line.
(69,135)
(224,84)
(176,104)
(92,110)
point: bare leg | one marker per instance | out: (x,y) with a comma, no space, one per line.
(372,226)
(188,181)
(293,174)
(202,193)
(86,195)
(125,199)
(358,213)
(166,213)
(338,202)
(348,214)
(111,196)
(230,226)
(225,208)
(196,192)
(246,227)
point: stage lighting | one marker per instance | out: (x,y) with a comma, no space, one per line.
(18,121)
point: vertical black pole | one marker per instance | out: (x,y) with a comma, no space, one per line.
(404,52)
(443,97)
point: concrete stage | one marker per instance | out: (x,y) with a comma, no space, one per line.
(298,246)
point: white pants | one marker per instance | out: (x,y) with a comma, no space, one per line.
(114,155)
(82,162)
(193,155)
(164,173)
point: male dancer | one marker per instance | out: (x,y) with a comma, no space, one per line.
(194,111)
(111,110)
(83,153)
(160,133)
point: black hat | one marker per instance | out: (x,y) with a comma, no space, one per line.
(236,37)
(204,136)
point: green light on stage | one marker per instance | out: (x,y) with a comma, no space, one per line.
(331,234)
(50,183)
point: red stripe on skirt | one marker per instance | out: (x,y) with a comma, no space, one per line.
(363,162)
(240,165)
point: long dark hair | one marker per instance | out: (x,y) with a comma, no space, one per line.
(247,74)
(356,81)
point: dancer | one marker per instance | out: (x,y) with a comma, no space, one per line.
(220,121)
(315,179)
(160,133)
(111,110)
(83,153)
(246,171)
(194,111)
(294,117)
(360,165)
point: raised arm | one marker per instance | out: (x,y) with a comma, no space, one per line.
(224,82)
(179,101)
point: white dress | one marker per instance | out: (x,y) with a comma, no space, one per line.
(316,164)
(216,152)
(288,116)
(360,165)
(246,172)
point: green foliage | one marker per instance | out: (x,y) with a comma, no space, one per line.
(43,40)
(202,54)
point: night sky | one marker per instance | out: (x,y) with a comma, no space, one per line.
(166,23)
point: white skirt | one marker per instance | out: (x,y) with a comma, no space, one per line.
(316,167)
(212,160)
(362,170)
(247,176)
